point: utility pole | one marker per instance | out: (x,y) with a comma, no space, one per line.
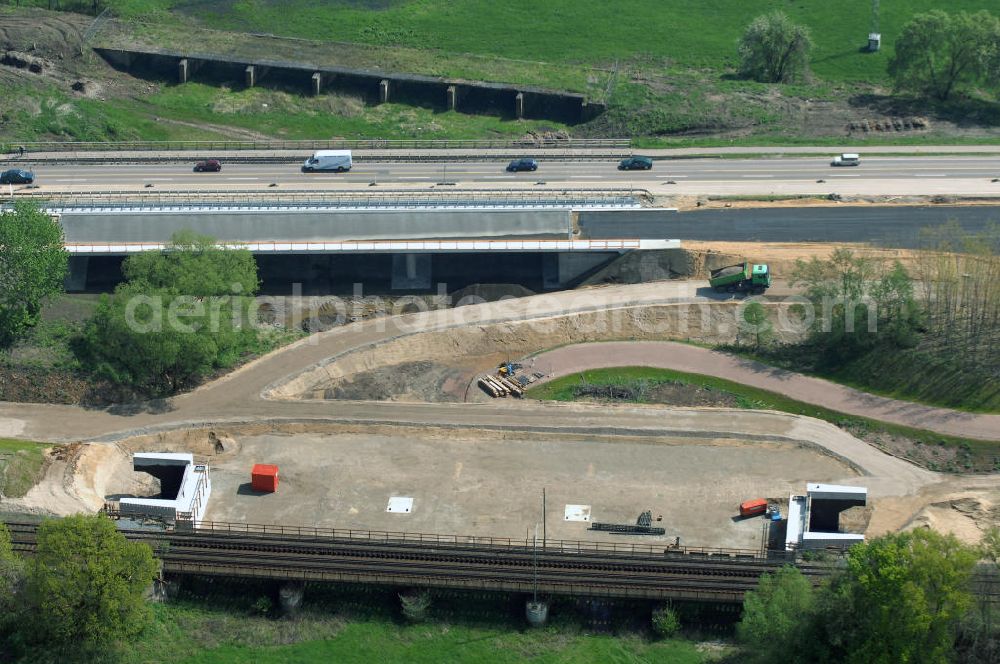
(544,530)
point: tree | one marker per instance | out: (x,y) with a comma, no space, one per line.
(777,617)
(33,264)
(194,265)
(774,50)
(181,314)
(11,580)
(901,599)
(756,323)
(86,581)
(939,53)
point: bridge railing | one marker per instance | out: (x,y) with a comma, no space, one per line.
(207,146)
(549,545)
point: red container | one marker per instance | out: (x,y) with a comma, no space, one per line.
(747,508)
(264,478)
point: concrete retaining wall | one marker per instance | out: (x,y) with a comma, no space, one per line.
(374,86)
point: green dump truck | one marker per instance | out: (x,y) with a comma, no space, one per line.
(742,278)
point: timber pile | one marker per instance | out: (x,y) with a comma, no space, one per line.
(500,386)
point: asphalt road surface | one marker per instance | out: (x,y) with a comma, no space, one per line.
(887,226)
(682,171)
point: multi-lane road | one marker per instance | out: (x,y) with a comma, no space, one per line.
(892,226)
(889,174)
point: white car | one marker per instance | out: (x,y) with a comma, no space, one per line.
(846,159)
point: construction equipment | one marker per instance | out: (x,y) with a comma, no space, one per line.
(506,382)
(741,278)
(754,507)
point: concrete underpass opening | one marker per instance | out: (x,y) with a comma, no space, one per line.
(382,273)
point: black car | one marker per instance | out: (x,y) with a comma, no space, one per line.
(522,165)
(208,166)
(17,176)
(635,164)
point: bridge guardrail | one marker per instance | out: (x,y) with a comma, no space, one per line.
(549,545)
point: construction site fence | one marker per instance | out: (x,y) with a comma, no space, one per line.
(333,144)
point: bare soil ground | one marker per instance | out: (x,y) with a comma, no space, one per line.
(486,482)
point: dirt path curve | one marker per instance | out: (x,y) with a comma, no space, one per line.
(238,398)
(692,359)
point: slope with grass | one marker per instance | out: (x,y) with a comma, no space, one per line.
(666,71)
(21,464)
(933,450)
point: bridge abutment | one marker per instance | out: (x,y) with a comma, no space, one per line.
(76,276)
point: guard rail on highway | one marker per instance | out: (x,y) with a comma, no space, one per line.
(333,144)
(473,198)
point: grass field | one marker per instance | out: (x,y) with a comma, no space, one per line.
(972,455)
(195,633)
(665,68)
(689,34)
(20,466)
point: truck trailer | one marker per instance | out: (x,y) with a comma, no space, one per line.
(741,278)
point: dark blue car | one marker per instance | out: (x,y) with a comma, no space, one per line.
(522,165)
(17,176)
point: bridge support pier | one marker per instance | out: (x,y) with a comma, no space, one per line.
(182,70)
(250,76)
(452,97)
(290,596)
(383,91)
(519,106)
(536,612)
(411,271)
(317,84)
(76,276)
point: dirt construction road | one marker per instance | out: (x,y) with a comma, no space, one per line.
(240,396)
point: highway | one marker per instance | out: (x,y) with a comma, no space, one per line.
(897,227)
(917,170)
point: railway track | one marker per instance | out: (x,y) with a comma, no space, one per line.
(563,569)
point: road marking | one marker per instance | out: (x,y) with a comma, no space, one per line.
(70,180)
(242,178)
(839,175)
(495,177)
(672,177)
(930,175)
(589,177)
(757,176)
(414,177)
(159,179)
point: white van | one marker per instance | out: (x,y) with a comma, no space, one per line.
(846,159)
(328,160)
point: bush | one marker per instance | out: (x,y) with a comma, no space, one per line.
(415,605)
(666,623)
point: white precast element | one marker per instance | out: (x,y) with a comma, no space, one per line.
(194,487)
(577,513)
(828,497)
(400,246)
(400,505)
(836,492)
